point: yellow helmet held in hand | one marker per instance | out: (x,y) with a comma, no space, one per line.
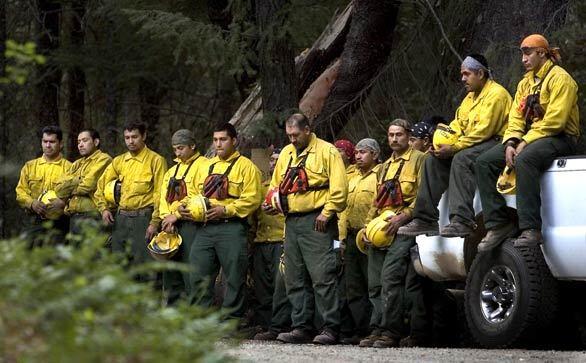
(360,241)
(112,192)
(164,246)
(507,181)
(197,206)
(375,230)
(46,197)
(444,135)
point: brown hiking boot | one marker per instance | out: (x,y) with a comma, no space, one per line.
(412,341)
(457,229)
(385,341)
(496,236)
(266,335)
(529,238)
(326,337)
(296,336)
(369,340)
(417,227)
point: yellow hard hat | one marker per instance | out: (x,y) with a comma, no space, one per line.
(198,206)
(360,241)
(164,245)
(444,135)
(375,230)
(112,192)
(46,197)
(507,181)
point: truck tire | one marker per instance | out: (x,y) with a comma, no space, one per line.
(511,297)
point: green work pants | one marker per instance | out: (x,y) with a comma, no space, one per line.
(176,283)
(266,257)
(456,175)
(78,221)
(356,278)
(221,244)
(40,232)
(128,238)
(376,259)
(420,318)
(281,309)
(529,165)
(309,255)
(395,277)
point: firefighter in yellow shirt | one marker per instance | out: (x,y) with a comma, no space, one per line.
(179,182)
(543,124)
(232,185)
(273,312)
(481,121)
(79,185)
(311,178)
(390,268)
(140,172)
(39,176)
(361,192)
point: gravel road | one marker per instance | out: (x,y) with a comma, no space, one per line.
(284,353)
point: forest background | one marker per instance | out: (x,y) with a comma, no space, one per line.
(192,64)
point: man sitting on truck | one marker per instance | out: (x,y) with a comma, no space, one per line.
(479,123)
(543,125)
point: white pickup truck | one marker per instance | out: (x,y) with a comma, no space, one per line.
(512,295)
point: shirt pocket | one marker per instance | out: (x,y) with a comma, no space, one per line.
(235,186)
(142,183)
(35,184)
(314,167)
(408,185)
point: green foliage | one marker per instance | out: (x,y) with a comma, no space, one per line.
(67,304)
(22,57)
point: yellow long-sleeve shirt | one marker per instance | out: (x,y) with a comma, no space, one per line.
(559,99)
(324,166)
(268,228)
(482,117)
(410,178)
(243,183)
(197,173)
(362,189)
(39,175)
(80,183)
(141,177)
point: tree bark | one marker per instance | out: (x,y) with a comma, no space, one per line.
(501,27)
(366,51)
(48,87)
(76,81)
(308,65)
(150,99)
(277,65)
(4,134)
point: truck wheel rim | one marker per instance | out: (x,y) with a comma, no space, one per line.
(498,294)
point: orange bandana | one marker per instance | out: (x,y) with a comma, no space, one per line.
(539,41)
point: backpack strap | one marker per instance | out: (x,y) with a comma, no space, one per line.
(188,167)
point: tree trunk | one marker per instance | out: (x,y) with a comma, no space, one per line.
(366,51)
(501,27)
(309,66)
(50,75)
(4,134)
(277,65)
(150,99)
(76,81)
